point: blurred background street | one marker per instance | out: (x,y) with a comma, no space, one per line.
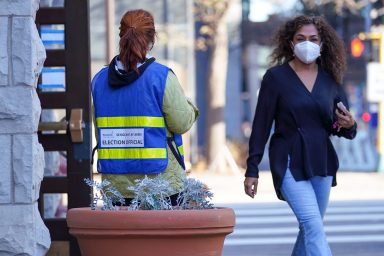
(219,50)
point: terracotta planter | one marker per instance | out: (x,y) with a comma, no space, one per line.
(155,233)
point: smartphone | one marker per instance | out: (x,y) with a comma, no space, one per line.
(340,106)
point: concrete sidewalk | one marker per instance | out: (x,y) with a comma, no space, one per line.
(228,187)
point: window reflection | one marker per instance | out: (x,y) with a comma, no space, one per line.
(53,116)
(53,36)
(55,164)
(52,79)
(52,3)
(55,205)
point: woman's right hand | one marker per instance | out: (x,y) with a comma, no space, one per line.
(344,117)
(250,186)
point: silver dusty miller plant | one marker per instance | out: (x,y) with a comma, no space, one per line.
(196,195)
(106,193)
(151,194)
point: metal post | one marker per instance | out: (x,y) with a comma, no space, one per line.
(165,23)
(367,16)
(109,27)
(190,21)
(380,127)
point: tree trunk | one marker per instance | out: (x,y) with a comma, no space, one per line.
(216,82)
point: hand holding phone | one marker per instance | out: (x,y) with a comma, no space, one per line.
(341,108)
(344,117)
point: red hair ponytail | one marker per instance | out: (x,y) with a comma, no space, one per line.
(137,33)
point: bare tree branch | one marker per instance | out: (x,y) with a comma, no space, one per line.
(352,5)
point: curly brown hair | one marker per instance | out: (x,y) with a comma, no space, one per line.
(333,53)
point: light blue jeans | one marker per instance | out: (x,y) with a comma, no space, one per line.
(308,200)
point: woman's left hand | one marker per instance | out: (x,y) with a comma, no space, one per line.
(344,117)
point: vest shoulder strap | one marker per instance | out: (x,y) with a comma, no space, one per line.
(175,152)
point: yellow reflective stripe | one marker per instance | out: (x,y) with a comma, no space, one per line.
(181,149)
(131,153)
(130,121)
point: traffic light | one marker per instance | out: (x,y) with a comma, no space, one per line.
(357,47)
(376,45)
(366,117)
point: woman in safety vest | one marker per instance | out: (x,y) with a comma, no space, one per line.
(140,112)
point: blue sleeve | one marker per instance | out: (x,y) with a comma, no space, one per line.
(343,132)
(262,123)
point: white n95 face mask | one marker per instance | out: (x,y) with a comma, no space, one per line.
(307,51)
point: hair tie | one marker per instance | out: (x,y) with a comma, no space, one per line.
(132,27)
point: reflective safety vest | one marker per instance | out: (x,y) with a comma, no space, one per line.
(130,124)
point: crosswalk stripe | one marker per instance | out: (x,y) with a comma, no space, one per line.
(294,230)
(259,241)
(291,240)
(292,218)
(346,223)
(330,210)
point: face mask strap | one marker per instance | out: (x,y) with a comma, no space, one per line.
(293,48)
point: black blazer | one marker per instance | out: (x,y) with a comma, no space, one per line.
(303,124)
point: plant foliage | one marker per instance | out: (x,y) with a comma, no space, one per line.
(196,195)
(104,193)
(153,194)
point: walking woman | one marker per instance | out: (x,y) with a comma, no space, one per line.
(140,112)
(302,94)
